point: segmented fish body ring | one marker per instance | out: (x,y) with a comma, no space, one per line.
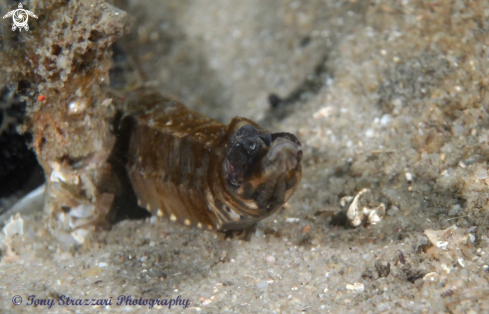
(198,172)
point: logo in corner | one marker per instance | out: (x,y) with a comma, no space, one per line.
(20,18)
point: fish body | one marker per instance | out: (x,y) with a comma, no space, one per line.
(201,173)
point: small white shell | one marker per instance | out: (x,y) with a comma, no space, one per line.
(431,277)
(359,209)
(79,235)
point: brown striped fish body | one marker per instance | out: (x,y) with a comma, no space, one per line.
(201,173)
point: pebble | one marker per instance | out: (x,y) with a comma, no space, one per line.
(409,177)
(262,284)
(291,219)
(207,302)
(454,210)
(359,287)
(270,259)
(394,209)
(385,119)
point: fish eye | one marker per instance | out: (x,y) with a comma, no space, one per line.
(253,146)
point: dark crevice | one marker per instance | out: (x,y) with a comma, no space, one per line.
(18,163)
(311,86)
(125,205)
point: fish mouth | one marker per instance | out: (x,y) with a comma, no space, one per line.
(284,154)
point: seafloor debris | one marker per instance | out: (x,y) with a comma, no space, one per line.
(33,201)
(452,248)
(431,277)
(14,226)
(450,238)
(362,209)
(356,287)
